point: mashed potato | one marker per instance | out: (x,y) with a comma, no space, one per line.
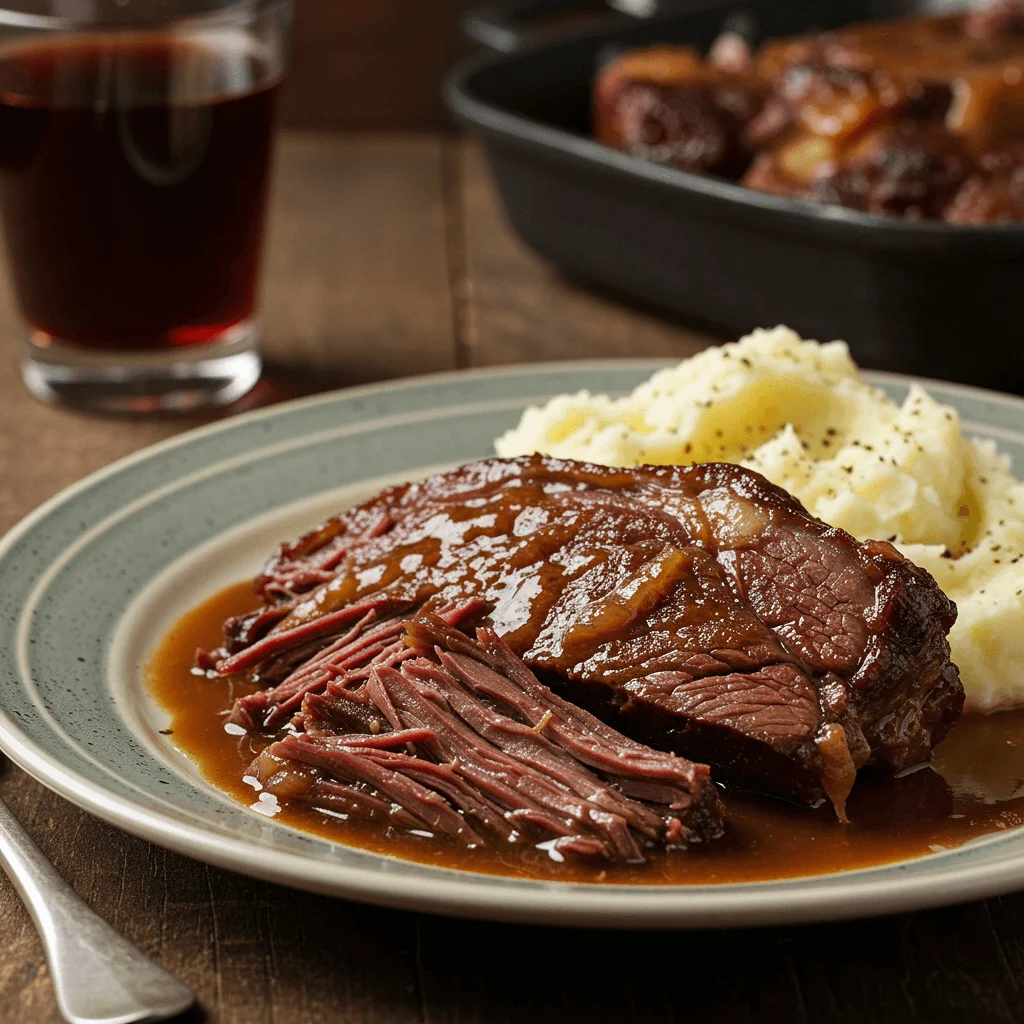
(800,413)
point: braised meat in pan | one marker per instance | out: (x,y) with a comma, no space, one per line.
(920,118)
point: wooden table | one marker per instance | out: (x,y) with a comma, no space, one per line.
(389,256)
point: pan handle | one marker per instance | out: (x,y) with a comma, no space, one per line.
(509,27)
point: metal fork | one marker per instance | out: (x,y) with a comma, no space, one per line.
(100,977)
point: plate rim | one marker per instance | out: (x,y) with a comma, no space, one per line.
(848,894)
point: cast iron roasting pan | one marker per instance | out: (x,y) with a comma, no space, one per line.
(918,297)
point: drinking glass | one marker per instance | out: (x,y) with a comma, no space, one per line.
(135,148)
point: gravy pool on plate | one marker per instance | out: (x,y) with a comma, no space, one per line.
(973,788)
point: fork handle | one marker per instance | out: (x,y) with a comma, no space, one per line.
(99,976)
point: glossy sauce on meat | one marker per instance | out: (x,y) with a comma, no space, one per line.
(973,789)
(697,609)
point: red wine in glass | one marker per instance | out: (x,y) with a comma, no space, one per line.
(133,181)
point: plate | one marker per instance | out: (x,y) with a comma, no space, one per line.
(91,580)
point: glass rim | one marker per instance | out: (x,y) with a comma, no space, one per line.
(232,15)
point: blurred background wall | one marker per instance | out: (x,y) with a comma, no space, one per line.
(371,64)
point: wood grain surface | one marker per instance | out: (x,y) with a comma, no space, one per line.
(390,257)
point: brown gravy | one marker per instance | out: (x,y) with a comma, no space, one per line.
(974,787)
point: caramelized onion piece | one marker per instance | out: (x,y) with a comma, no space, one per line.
(840,772)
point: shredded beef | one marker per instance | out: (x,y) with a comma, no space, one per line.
(470,745)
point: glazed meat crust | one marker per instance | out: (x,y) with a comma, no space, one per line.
(670,107)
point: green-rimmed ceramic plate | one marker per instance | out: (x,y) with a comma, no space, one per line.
(91,580)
